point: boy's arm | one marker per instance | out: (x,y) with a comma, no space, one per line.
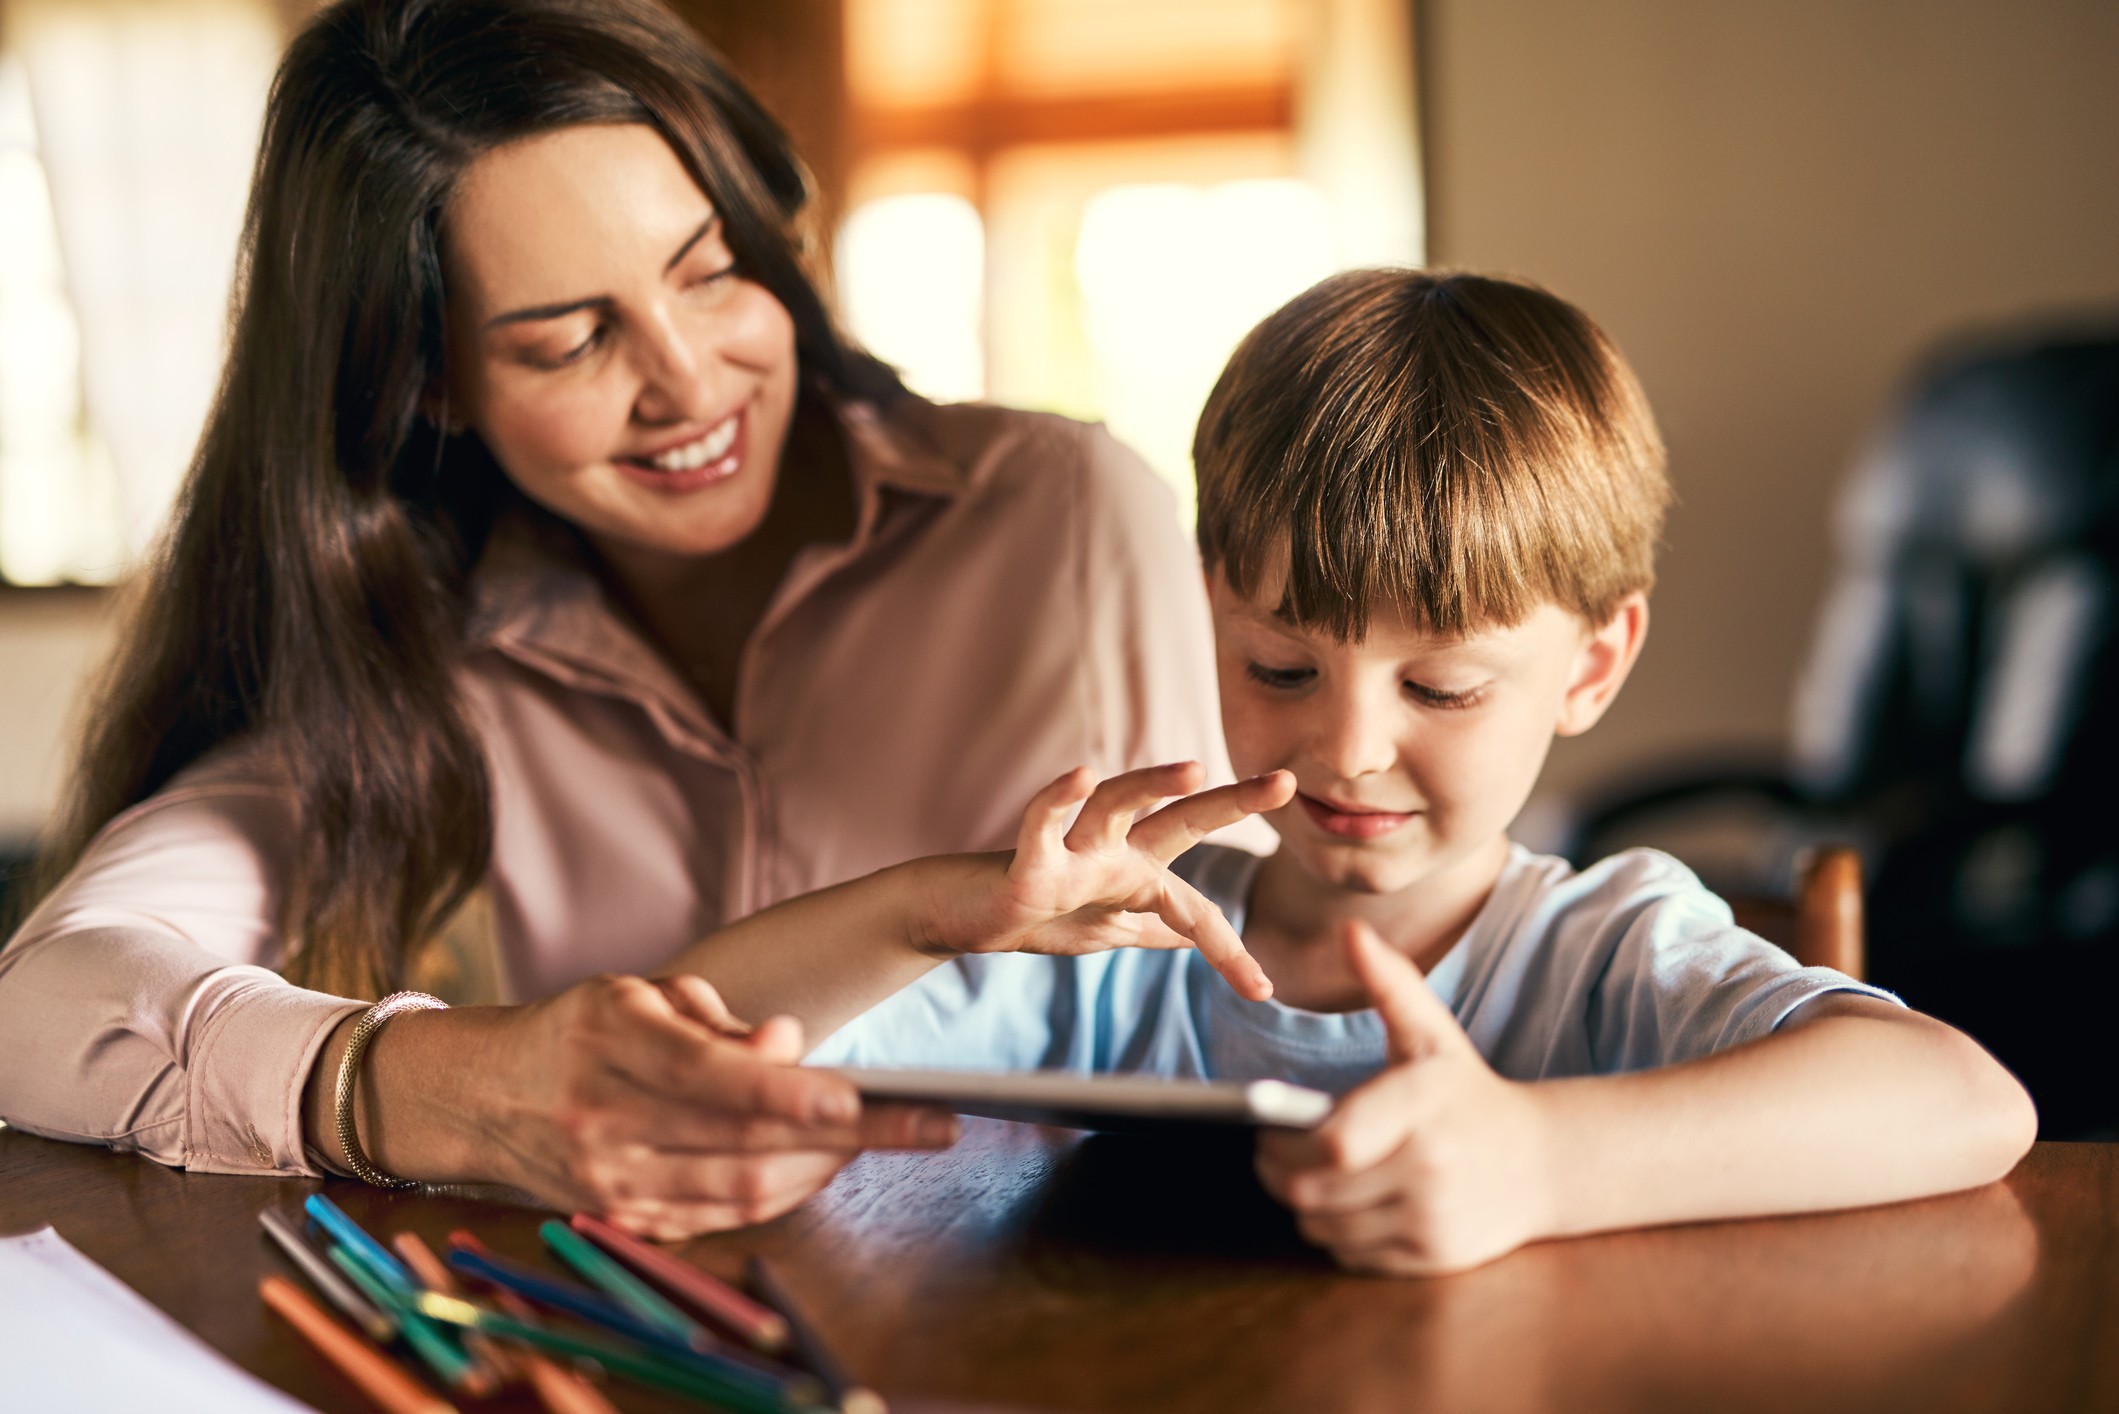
(1102,882)
(1439,1164)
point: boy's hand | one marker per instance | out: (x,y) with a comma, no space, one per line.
(1435,1164)
(1105,882)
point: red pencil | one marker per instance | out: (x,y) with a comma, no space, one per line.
(360,1362)
(760,1325)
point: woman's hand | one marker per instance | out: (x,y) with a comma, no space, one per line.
(1105,882)
(1434,1165)
(644,1101)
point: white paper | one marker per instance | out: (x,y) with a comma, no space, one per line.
(74,1337)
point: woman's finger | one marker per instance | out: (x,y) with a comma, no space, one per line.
(693,996)
(1109,813)
(1181,824)
(679,1059)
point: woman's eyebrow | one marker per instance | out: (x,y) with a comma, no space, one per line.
(713,218)
(558,311)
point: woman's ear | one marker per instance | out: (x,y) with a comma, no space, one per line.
(1601,664)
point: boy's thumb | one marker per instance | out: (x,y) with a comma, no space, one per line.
(1414,1018)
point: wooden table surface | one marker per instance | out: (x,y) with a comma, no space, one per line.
(1037,1269)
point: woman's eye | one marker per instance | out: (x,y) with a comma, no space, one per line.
(1436,697)
(554,361)
(716,279)
(1278,677)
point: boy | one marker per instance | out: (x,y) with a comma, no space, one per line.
(1427,513)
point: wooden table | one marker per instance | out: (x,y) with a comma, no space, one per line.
(1036,1269)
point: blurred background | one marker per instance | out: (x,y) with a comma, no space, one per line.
(1865,258)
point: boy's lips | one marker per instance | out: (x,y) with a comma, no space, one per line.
(1350,824)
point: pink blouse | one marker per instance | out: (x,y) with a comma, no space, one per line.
(1017,599)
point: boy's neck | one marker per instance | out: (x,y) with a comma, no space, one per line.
(1293,923)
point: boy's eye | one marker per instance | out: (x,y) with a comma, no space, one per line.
(1436,697)
(1278,677)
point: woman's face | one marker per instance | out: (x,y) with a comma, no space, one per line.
(621,372)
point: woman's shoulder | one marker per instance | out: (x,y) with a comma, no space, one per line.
(990,449)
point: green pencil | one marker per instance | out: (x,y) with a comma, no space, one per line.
(634,1364)
(607,1276)
(456,1369)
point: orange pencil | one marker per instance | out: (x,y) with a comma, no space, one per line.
(379,1378)
(760,1325)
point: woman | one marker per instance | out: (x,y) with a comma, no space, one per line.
(546,538)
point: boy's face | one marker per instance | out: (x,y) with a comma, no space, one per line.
(1412,751)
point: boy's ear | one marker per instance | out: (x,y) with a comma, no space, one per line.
(1601,664)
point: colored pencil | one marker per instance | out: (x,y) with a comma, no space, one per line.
(851,1398)
(602,1271)
(381,1380)
(563,1390)
(432,1274)
(354,1238)
(750,1395)
(442,1355)
(561,1295)
(377,1324)
(763,1328)
(592,1307)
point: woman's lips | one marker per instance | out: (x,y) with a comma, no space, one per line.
(721,468)
(1350,824)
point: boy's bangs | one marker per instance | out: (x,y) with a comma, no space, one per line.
(1458,449)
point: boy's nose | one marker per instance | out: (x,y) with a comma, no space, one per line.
(1357,742)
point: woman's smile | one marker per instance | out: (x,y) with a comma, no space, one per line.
(701,460)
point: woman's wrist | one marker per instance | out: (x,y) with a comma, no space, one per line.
(418,1100)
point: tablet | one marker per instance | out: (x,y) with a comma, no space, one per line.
(1123,1103)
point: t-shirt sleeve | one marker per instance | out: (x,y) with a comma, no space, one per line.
(138,1005)
(1684,981)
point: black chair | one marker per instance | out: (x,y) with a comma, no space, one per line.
(1956,718)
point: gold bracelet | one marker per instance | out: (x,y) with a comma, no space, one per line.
(349,1064)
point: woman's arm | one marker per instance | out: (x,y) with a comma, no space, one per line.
(1439,1164)
(1098,883)
(138,1010)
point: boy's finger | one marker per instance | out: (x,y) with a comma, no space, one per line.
(1109,814)
(1181,824)
(1325,1190)
(1373,1223)
(1193,915)
(1045,817)
(1414,1018)
(1370,1122)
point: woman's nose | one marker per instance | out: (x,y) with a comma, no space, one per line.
(677,377)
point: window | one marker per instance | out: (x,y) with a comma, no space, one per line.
(1081,205)
(127,132)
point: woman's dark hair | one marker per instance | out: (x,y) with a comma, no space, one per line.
(312,591)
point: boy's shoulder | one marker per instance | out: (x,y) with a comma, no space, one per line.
(1613,890)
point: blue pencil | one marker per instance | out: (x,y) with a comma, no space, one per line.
(366,1250)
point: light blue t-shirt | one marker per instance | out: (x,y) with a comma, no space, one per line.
(1626,965)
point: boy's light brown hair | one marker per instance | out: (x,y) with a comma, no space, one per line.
(1460,447)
